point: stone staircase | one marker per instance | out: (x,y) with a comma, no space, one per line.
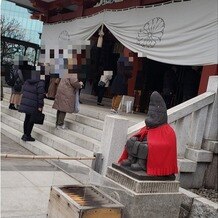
(91,99)
(81,139)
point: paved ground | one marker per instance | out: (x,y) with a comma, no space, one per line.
(25,184)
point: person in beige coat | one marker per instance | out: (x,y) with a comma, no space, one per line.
(52,89)
(65,98)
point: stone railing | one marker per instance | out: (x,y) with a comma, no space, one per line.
(193,121)
(188,120)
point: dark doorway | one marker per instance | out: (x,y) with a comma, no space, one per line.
(154,76)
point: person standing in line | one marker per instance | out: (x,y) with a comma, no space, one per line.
(47,77)
(192,76)
(17,87)
(103,84)
(65,98)
(53,86)
(120,83)
(53,83)
(31,102)
(170,83)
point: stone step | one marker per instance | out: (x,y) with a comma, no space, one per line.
(91,99)
(210,145)
(79,117)
(89,114)
(51,140)
(198,155)
(94,103)
(73,137)
(72,125)
(76,138)
(86,110)
(88,97)
(187,166)
(39,148)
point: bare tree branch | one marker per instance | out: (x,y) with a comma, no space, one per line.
(11,29)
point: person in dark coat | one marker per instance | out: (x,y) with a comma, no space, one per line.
(191,82)
(19,80)
(32,101)
(47,76)
(170,83)
(119,85)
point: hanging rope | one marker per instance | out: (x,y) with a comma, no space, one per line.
(100,38)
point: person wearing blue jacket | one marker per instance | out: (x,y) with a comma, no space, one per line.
(32,101)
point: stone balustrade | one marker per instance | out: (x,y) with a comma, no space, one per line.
(193,121)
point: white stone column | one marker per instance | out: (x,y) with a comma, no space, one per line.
(211,131)
(113,139)
(197,129)
(182,129)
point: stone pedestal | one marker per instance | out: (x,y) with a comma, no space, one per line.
(144,198)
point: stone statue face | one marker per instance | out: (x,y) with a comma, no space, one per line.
(157,111)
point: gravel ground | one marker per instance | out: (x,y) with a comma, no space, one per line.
(210,194)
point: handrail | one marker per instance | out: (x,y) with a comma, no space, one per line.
(41,157)
(181,110)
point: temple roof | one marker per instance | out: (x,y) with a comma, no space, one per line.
(52,11)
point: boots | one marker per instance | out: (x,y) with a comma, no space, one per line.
(139,165)
(130,160)
(27,138)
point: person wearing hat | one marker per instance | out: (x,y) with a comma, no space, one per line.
(153,148)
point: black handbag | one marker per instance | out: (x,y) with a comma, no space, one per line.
(101,84)
(37,118)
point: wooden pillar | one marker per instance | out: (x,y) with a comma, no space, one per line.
(207,71)
(25,51)
(36,51)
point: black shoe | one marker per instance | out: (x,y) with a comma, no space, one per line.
(12,107)
(100,104)
(30,139)
(24,137)
(27,138)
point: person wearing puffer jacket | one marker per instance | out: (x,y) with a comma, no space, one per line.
(32,101)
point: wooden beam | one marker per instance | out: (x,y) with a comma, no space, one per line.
(66,16)
(50,8)
(40,5)
(116,5)
(39,16)
(20,42)
(64,3)
(151,2)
